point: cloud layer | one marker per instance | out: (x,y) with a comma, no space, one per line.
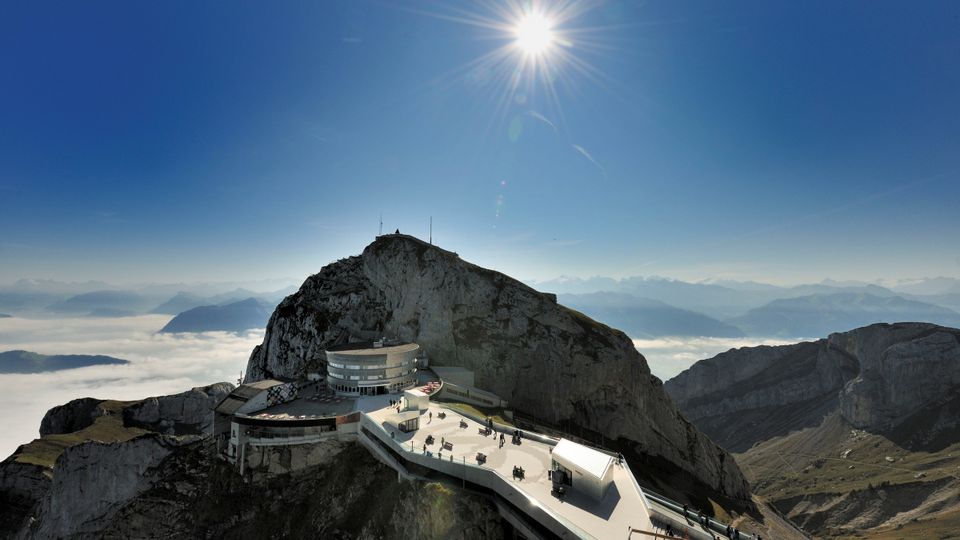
(669,356)
(170,363)
(159,364)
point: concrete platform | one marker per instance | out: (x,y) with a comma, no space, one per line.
(623,507)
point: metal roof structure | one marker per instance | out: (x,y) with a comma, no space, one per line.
(242,394)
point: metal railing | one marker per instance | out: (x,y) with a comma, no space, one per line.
(481,476)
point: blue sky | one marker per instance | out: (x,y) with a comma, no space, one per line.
(777,141)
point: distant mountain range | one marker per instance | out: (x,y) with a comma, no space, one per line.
(232,317)
(96,299)
(645,307)
(31,362)
(646,318)
(102,304)
(821,314)
(5,316)
(184,301)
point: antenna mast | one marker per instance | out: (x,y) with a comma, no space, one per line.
(431,230)
(381,225)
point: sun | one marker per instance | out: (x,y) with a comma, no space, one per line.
(534,34)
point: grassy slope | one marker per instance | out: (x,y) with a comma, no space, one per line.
(806,466)
(106,428)
(496,414)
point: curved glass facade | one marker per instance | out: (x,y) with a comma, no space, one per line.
(367,370)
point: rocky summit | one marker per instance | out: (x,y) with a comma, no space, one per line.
(549,362)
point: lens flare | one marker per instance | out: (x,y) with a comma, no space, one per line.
(534,33)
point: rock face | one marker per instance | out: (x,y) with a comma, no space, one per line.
(194,495)
(546,360)
(69,417)
(46,479)
(878,377)
(180,414)
(114,471)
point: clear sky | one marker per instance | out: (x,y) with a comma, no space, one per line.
(778,141)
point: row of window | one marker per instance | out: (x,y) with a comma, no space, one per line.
(370,366)
(371,377)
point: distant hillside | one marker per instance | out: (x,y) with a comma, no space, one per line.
(102,303)
(821,314)
(184,301)
(180,303)
(645,317)
(855,433)
(31,362)
(5,316)
(233,317)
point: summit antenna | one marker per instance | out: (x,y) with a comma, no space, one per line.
(381,225)
(431,230)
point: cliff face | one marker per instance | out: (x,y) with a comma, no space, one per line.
(877,376)
(115,472)
(179,414)
(47,482)
(903,370)
(546,360)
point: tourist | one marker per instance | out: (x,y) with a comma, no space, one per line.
(736,534)
(729,531)
(684,512)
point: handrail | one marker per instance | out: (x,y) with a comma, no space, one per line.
(712,524)
(653,534)
(539,437)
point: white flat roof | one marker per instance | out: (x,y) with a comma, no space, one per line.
(416,392)
(404,416)
(591,461)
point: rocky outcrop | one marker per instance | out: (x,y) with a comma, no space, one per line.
(903,368)
(877,376)
(443,512)
(546,360)
(45,478)
(69,417)
(187,413)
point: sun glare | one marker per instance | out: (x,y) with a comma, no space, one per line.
(534,34)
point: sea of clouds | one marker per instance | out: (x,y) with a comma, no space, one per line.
(668,356)
(169,363)
(159,364)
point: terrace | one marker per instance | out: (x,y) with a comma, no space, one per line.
(622,509)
